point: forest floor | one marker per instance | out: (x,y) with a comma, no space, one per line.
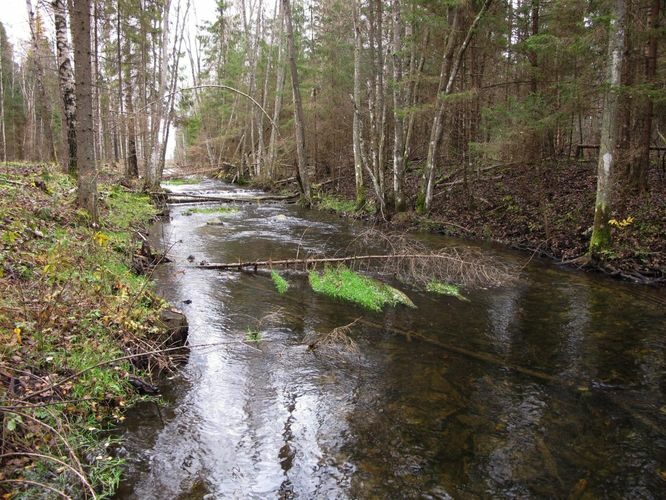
(549,211)
(71,303)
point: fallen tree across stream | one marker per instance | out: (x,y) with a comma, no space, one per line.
(191,198)
(417,268)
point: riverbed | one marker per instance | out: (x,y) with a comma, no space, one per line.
(549,386)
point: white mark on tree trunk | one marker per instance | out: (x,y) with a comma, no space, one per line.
(608,161)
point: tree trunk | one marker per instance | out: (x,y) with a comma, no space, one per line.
(279,89)
(85,135)
(2,106)
(67,87)
(299,120)
(40,85)
(398,104)
(359,156)
(641,161)
(132,157)
(601,235)
(424,202)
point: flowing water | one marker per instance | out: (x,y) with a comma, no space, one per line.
(435,413)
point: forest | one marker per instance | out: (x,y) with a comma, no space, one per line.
(485,120)
(441,192)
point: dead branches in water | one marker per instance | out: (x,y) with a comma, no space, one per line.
(338,338)
(408,260)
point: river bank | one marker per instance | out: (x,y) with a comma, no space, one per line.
(548,211)
(78,309)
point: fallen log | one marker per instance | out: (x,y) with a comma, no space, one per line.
(418,268)
(229,266)
(191,198)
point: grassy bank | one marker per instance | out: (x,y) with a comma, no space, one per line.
(70,304)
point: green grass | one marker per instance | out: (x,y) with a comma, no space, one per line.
(211,210)
(183,181)
(441,288)
(252,335)
(89,308)
(281,284)
(339,205)
(344,284)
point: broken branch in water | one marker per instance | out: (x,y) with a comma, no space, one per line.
(191,198)
(414,267)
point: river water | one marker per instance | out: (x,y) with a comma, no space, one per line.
(434,413)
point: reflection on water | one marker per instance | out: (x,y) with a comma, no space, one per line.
(405,417)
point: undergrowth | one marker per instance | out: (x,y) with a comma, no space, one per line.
(344,284)
(69,305)
(336,204)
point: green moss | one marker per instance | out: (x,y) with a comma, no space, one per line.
(344,284)
(211,210)
(445,289)
(420,203)
(281,284)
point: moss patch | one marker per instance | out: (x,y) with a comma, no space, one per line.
(344,284)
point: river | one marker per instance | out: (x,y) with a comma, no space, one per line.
(401,417)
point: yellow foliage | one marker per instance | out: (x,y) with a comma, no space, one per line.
(17,335)
(101,239)
(623,223)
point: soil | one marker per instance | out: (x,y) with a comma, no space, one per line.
(548,210)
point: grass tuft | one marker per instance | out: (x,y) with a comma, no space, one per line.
(183,181)
(211,210)
(445,289)
(281,284)
(344,284)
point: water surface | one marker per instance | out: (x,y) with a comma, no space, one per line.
(409,415)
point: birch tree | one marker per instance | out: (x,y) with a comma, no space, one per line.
(66,78)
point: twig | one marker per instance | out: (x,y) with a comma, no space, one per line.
(58,461)
(132,356)
(35,483)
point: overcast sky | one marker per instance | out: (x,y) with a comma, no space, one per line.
(15,18)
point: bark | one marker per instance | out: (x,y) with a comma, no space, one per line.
(67,87)
(601,235)
(2,107)
(299,119)
(279,89)
(641,162)
(157,112)
(398,104)
(85,135)
(449,71)
(44,107)
(132,157)
(359,155)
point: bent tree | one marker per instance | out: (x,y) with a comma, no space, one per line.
(601,235)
